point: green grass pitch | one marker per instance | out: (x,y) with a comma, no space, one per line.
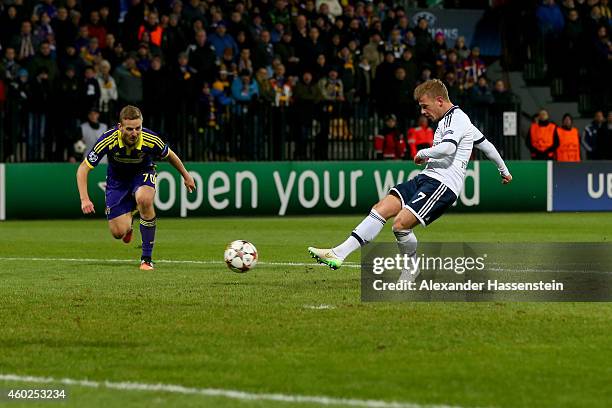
(87,312)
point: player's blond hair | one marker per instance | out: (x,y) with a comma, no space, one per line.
(432,88)
(130,112)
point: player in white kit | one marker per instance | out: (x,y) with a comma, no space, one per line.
(424,198)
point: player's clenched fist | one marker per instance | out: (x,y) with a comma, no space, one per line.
(420,160)
(87,207)
(190,183)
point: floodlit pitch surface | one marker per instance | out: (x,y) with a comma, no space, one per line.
(73,305)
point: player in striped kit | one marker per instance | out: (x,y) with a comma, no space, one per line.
(426,197)
(131,178)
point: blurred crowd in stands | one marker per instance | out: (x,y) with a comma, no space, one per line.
(258,73)
(574,41)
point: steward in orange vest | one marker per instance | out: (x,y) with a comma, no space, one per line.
(151,25)
(420,137)
(542,140)
(569,141)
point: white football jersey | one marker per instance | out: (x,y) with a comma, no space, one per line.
(454,127)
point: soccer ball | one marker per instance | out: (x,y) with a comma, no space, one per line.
(240,256)
(79,147)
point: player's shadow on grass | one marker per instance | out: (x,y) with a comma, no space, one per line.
(55,343)
(107,266)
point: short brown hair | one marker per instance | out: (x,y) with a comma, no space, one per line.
(432,88)
(130,112)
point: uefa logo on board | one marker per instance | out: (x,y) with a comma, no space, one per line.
(430,17)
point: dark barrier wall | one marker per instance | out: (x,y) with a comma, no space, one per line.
(280,188)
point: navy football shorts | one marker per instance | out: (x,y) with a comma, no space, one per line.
(120,193)
(425,197)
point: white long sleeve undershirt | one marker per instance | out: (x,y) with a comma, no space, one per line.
(448,148)
(492,154)
(439,151)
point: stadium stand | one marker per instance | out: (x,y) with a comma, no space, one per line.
(281,80)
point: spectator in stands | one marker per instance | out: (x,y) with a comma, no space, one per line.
(550,18)
(452,85)
(364,82)
(569,141)
(439,43)
(571,52)
(454,65)
(332,96)
(281,86)
(372,51)
(402,100)
(108,91)
(38,113)
(542,139)
(45,59)
(221,40)
(45,6)
(389,143)
(91,129)
(462,50)
(24,43)
(313,47)
(153,28)
(410,66)
(266,93)
(174,39)
(501,94)
(474,67)
(155,92)
(244,89)
(480,94)
(307,96)
(10,24)
(96,29)
(606,12)
(287,53)
(129,82)
(43,29)
(423,49)
(91,53)
(82,40)
(589,136)
(420,137)
(9,66)
(237,24)
(604,140)
(68,97)
(320,69)
(395,44)
(203,57)
(90,91)
(383,82)
(264,51)
(593,22)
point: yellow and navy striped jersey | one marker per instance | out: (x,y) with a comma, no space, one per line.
(125,161)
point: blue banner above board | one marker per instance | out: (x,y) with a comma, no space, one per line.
(479,29)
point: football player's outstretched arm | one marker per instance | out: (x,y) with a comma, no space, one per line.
(492,154)
(176,162)
(86,205)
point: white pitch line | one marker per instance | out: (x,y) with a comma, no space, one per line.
(170,261)
(215,392)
